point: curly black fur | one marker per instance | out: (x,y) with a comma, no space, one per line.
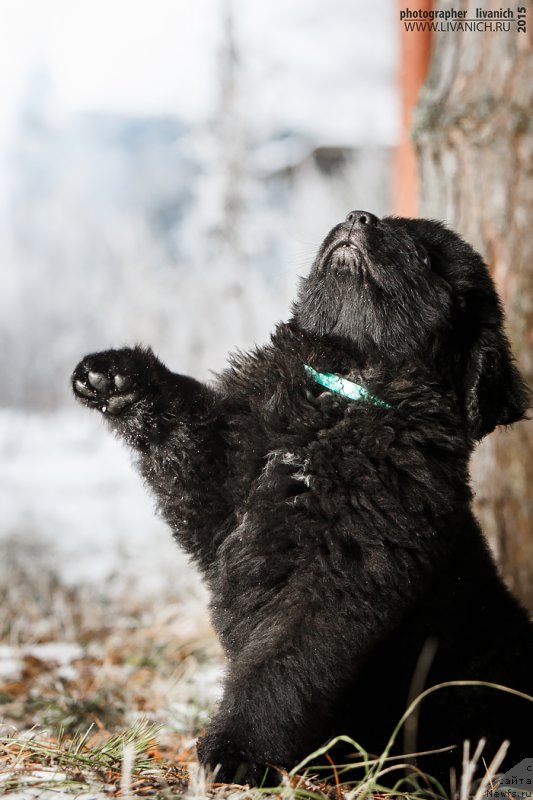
(347,571)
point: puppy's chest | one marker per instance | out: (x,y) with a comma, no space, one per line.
(345,464)
(325,473)
(321,455)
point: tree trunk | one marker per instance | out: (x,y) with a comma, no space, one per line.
(415,52)
(473,130)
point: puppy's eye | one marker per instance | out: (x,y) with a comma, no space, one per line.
(425,260)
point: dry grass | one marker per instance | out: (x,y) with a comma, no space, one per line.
(102,695)
(85,673)
(93,762)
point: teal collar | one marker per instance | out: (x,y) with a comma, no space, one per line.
(344,387)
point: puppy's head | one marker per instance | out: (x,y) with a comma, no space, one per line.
(412,289)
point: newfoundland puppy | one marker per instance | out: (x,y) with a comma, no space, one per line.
(321,486)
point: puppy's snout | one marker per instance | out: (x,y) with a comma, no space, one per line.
(359,218)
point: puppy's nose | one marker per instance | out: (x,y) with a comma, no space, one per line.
(358,218)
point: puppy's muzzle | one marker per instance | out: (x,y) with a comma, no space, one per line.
(356,219)
(359,224)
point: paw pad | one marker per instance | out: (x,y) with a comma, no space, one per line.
(100,382)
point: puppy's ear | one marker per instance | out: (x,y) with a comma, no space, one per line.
(495,392)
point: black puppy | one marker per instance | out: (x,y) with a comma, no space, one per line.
(321,485)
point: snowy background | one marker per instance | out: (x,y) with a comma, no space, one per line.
(168,169)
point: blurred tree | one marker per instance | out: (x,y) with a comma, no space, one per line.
(223,195)
(415,52)
(473,129)
(230,134)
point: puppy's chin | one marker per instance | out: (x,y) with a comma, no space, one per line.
(345,258)
(353,300)
(334,304)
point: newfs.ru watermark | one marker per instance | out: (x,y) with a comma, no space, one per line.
(452,19)
(515,783)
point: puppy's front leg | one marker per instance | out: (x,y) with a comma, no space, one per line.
(174,423)
(279,696)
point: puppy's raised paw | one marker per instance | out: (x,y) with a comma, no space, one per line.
(112,381)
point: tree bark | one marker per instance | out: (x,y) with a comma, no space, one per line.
(473,130)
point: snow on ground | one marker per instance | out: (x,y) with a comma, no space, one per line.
(69,486)
(97,597)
